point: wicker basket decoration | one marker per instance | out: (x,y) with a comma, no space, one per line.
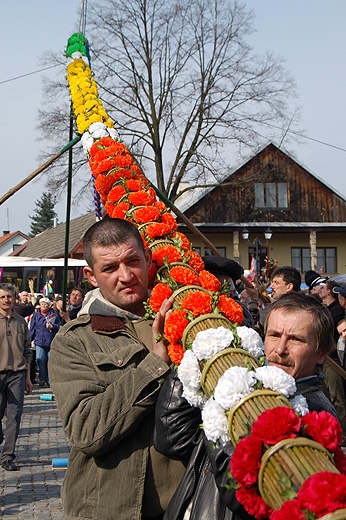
(242,416)
(180,293)
(143,227)
(340,514)
(204,322)
(163,272)
(296,459)
(154,246)
(223,360)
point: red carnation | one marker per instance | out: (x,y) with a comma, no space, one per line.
(272,426)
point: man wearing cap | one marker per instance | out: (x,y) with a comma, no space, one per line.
(229,271)
(341,292)
(314,281)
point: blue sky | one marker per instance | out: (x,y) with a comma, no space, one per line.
(309,34)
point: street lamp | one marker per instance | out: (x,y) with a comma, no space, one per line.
(257,243)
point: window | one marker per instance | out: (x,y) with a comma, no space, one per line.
(326,259)
(221,250)
(271,195)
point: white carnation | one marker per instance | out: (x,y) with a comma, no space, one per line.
(215,423)
(113,134)
(87,142)
(251,341)
(276,379)
(190,375)
(233,385)
(209,342)
(300,405)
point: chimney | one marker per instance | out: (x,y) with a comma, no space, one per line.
(6,233)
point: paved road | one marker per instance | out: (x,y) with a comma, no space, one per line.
(33,493)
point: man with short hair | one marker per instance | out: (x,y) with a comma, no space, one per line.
(75,300)
(285,279)
(14,372)
(24,306)
(341,292)
(341,328)
(106,369)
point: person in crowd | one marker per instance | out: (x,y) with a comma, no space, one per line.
(341,292)
(44,324)
(228,271)
(341,328)
(298,338)
(314,281)
(33,364)
(14,373)
(24,306)
(75,304)
(285,279)
(334,385)
(107,368)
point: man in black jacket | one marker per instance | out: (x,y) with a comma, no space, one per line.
(298,338)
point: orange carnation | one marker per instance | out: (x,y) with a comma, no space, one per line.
(157,230)
(198,302)
(231,309)
(209,281)
(119,210)
(147,214)
(160,292)
(168,253)
(116,193)
(175,325)
(103,183)
(142,198)
(194,260)
(176,353)
(167,218)
(134,185)
(185,242)
(184,275)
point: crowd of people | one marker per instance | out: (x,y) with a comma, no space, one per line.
(138,452)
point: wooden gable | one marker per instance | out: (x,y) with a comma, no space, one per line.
(306,198)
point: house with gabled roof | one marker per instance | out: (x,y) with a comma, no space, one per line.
(270,192)
(51,242)
(10,242)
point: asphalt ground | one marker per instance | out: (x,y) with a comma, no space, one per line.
(34,491)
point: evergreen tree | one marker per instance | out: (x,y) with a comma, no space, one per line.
(44,214)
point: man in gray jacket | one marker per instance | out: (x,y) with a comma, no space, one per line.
(15,355)
(106,371)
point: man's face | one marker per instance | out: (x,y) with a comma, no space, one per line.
(342,329)
(323,292)
(24,297)
(6,300)
(121,273)
(289,343)
(280,287)
(342,301)
(76,298)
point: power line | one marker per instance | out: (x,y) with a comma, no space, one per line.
(299,134)
(29,74)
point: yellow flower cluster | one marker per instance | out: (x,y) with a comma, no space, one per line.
(87,105)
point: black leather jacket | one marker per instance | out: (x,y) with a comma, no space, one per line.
(178,435)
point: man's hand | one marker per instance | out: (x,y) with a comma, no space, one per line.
(158,325)
(28,383)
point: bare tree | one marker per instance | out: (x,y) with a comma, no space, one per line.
(182,84)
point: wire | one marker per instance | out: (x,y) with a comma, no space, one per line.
(29,74)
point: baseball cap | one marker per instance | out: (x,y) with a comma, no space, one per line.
(340,290)
(45,300)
